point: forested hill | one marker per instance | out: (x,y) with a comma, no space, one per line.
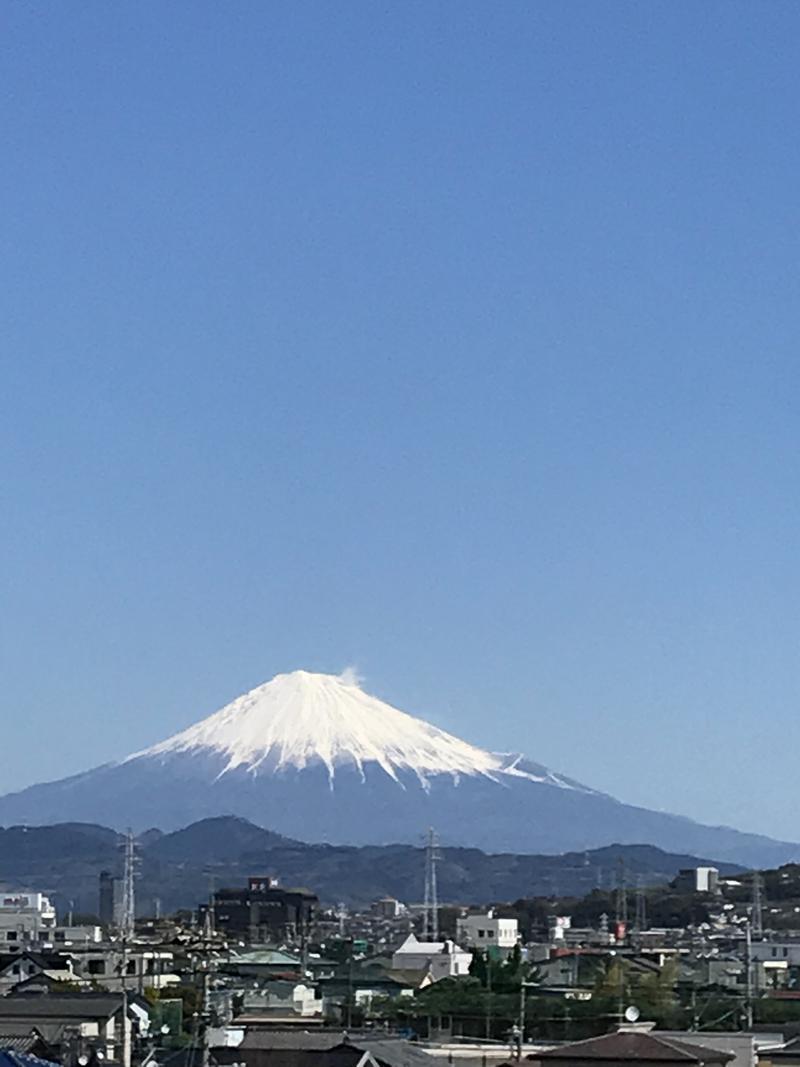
(180,868)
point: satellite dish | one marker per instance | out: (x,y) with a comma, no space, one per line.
(632,1013)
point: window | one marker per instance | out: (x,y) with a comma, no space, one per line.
(97,967)
(490,933)
(480,933)
(131,968)
(12,935)
(15,969)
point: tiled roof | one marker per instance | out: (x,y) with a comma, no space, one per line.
(56,1006)
(626,1046)
(10,1058)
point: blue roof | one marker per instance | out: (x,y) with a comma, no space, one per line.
(9,1058)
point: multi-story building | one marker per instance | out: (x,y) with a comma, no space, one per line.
(135,967)
(25,919)
(264,912)
(697,880)
(487,931)
(110,899)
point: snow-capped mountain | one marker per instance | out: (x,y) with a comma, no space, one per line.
(300,720)
(314,757)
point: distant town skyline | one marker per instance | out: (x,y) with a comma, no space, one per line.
(455,344)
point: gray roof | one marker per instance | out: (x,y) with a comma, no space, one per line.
(54,1006)
(283,1039)
(635,1045)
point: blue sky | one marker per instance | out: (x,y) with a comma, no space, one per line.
(455,341)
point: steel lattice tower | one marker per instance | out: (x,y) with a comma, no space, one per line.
(757,917)
(128,917)
(431,919)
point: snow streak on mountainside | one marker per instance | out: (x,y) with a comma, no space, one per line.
(299,719)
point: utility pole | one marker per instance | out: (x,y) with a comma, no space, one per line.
(431,920)
(207,965)
(127,932)
(523,1004)
(749,976)
(622,894)
(488,995)
(126,1023)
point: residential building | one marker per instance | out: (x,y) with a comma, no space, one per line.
(785,952)
(95,1020)
(264,912)
(389,908)
(485,930)
(19,967)
(697,880)
(64,936)
(440,959)
(25,919)
(634,1046)
(136,968)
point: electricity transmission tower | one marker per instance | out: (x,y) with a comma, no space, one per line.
(621,894)
(757,916)
(640,918)
(128,915)
(431,913)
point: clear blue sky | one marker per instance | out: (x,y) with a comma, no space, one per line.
(457,341)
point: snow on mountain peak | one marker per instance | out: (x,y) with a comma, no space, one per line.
(300,718)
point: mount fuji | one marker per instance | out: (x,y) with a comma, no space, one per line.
(314,757)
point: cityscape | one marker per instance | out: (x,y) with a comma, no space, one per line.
(400,541)
(224,942)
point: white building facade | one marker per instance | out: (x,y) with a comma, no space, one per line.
(487,931)
(440,959)
(26,919)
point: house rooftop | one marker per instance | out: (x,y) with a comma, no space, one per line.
(267,957)
(632,1045)
(60,1006)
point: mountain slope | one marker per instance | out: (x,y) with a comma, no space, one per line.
(316,758)
(178,868)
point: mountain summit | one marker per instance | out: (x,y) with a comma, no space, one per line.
(301,719)
(316,758)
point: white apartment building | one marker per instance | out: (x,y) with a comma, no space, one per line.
(25,919)
(485,930)
(135,968)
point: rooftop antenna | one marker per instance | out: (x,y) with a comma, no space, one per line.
(757,918)
(431,920)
